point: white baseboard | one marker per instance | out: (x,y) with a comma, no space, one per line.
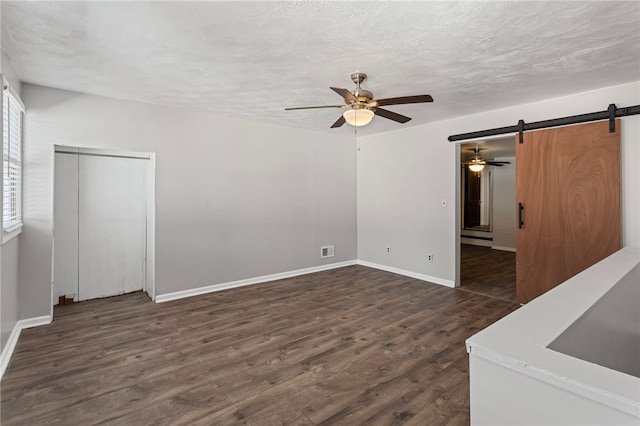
(161,298)
(423,277)
(513,249)
(7,352)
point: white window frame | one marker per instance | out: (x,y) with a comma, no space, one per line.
(11,99)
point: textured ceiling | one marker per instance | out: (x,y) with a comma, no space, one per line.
(253,59)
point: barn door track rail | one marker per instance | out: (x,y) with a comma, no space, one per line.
(611,113)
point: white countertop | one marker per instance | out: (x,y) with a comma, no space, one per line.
(519,341)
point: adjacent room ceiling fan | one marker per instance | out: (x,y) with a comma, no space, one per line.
(477,163)
(361,106)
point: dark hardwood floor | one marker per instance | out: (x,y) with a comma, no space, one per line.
(348,346)
(488,272)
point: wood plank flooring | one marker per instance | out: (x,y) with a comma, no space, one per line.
(343,347)
(488,272)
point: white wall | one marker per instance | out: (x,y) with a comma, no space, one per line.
(402,178)
(8,251)
(504,205)
(404,175)
(9,290)
(234,199)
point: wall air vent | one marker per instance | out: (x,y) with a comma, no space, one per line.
(327,251)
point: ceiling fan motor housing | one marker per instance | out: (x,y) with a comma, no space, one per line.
(363,95)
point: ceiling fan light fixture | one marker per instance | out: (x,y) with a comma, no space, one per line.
(358,117)
(477,164)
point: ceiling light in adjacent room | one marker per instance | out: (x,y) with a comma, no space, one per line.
(358,117)
(476,165)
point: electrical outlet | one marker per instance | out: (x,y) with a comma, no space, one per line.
(430,257)
(388,249)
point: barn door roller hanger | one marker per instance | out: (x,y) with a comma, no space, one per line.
(611,113)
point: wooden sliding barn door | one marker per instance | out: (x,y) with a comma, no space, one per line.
(568,194)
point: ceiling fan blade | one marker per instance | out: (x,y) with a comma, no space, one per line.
(347,95)
(486,163)
(418,99)
(339,122)
(391,115)
(315,107)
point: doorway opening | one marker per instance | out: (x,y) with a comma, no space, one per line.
(487,225)
(103,224)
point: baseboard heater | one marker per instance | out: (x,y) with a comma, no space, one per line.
(477,238)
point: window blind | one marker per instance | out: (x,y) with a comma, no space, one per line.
(12,113)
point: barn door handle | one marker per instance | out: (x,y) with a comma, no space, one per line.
(520,210)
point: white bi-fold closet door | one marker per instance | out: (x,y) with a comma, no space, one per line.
(100,225)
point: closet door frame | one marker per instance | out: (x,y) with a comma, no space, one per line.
(149,284)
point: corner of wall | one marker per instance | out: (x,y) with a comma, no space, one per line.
(7,350)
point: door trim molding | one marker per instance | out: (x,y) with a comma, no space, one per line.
(77,150)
